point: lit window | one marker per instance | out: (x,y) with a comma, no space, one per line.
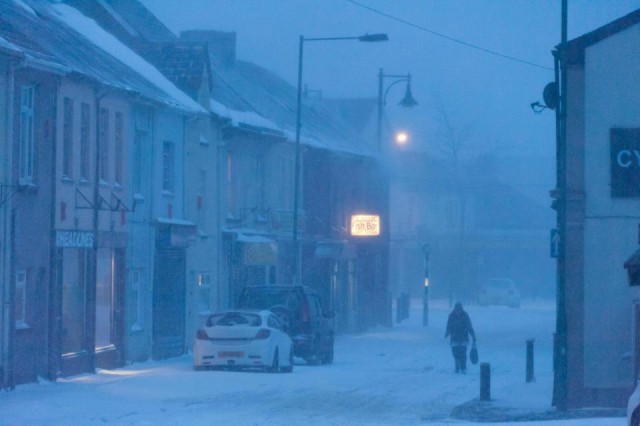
(21,298)
(104,297)
(27,140)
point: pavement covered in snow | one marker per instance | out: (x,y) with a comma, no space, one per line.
(388,376)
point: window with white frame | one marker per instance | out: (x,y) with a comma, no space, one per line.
(67,138)
(142,120)
(27,137)
(119,148)
(104,145)
(168,166)
(85,140)
(204,292)
(20,299)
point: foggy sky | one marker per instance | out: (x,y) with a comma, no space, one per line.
(489,94)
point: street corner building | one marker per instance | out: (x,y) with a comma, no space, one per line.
(602,199)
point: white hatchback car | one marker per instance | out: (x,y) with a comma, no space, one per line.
(243,339)
(499,291)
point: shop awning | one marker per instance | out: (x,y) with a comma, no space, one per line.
(177,232)
(257,249)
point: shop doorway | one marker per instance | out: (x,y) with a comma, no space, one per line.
(169,289)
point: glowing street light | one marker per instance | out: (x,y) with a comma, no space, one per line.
(402,138)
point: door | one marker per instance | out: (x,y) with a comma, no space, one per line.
(169,302)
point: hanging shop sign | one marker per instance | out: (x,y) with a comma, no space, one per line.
(365,225)
(75,239)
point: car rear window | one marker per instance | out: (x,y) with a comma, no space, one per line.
(234,318)
(266,298)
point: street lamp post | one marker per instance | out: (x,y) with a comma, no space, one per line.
(408,101)
(296,183)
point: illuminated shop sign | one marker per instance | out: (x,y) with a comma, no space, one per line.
(74,239)
(365,225)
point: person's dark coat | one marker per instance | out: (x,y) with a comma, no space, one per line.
(459,326)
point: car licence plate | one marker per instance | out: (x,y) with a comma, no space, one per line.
(230,354)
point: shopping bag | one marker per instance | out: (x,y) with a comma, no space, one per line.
(473,354)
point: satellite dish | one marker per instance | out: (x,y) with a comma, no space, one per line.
(550,95)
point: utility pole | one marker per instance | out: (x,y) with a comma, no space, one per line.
(560,385)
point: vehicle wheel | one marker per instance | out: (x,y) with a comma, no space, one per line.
(328,353)
(275,364)
(635,418)
(289,369)
(316,354)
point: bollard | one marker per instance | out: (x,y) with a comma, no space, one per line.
(529,376)
(406,305)
(399,309)
(485,381)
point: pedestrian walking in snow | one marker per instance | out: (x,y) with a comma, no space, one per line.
(459,328)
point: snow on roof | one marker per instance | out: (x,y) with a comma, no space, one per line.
(245,238)
(247,117)
(7,45)
(110,44)
(25,7)
(246,86)
(174,221)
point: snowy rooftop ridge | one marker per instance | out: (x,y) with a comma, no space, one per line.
(250,118)
(25,7)
(7,45)
(89,29)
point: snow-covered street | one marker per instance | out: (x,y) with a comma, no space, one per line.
(398,376)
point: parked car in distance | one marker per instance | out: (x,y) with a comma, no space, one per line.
(499,291)
(633,407)
(243,339)
(299,306)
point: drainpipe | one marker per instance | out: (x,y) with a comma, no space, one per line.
(8,328)
(54,298)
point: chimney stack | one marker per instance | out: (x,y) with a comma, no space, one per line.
(222,45)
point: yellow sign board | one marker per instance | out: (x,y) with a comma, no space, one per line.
(365,225)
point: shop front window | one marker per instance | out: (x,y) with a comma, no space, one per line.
(104,297)
(204,292)
(74,273)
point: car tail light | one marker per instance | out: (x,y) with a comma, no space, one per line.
(202,335)
(305,312)
(263,333)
